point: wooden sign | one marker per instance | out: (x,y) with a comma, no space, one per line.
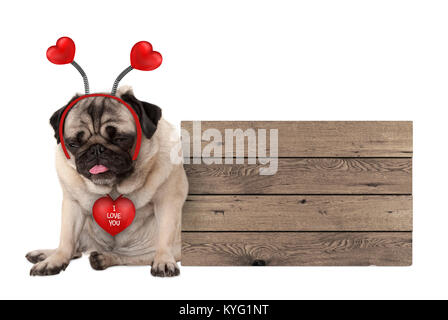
(341,194)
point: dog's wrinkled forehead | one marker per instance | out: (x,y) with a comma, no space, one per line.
(94,114)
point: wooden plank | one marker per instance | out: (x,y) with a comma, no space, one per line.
(297,248)
(305,176)
(316,138)
(297,213)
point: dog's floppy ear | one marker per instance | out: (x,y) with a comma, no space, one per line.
(56,118)
(148,114)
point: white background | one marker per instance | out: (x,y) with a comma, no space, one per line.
(233,60)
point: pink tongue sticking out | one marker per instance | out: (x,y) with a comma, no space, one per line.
(99,168)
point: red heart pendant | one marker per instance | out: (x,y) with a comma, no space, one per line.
(143,58)
(63,52)
(113,216)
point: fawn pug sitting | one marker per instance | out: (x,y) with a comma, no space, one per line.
(100,136)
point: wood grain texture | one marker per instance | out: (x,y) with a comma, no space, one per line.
(297,249)
(297,213)
(305,176)
(342,196)
(320,138)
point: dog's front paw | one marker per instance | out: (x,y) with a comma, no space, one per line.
(99,261)
(164,266)
(50,266)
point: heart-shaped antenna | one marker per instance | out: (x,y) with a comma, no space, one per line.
(63,53)
(142,58)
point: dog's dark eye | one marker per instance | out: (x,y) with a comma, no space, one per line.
(123,141)
(76,142)
(111,131)
(120,139)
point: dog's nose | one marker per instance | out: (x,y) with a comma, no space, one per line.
(96,149)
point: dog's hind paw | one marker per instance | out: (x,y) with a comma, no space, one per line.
(38,255)
(35,256)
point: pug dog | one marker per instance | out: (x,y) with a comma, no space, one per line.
(100,136)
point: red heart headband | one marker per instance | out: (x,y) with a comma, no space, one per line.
(142,58)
